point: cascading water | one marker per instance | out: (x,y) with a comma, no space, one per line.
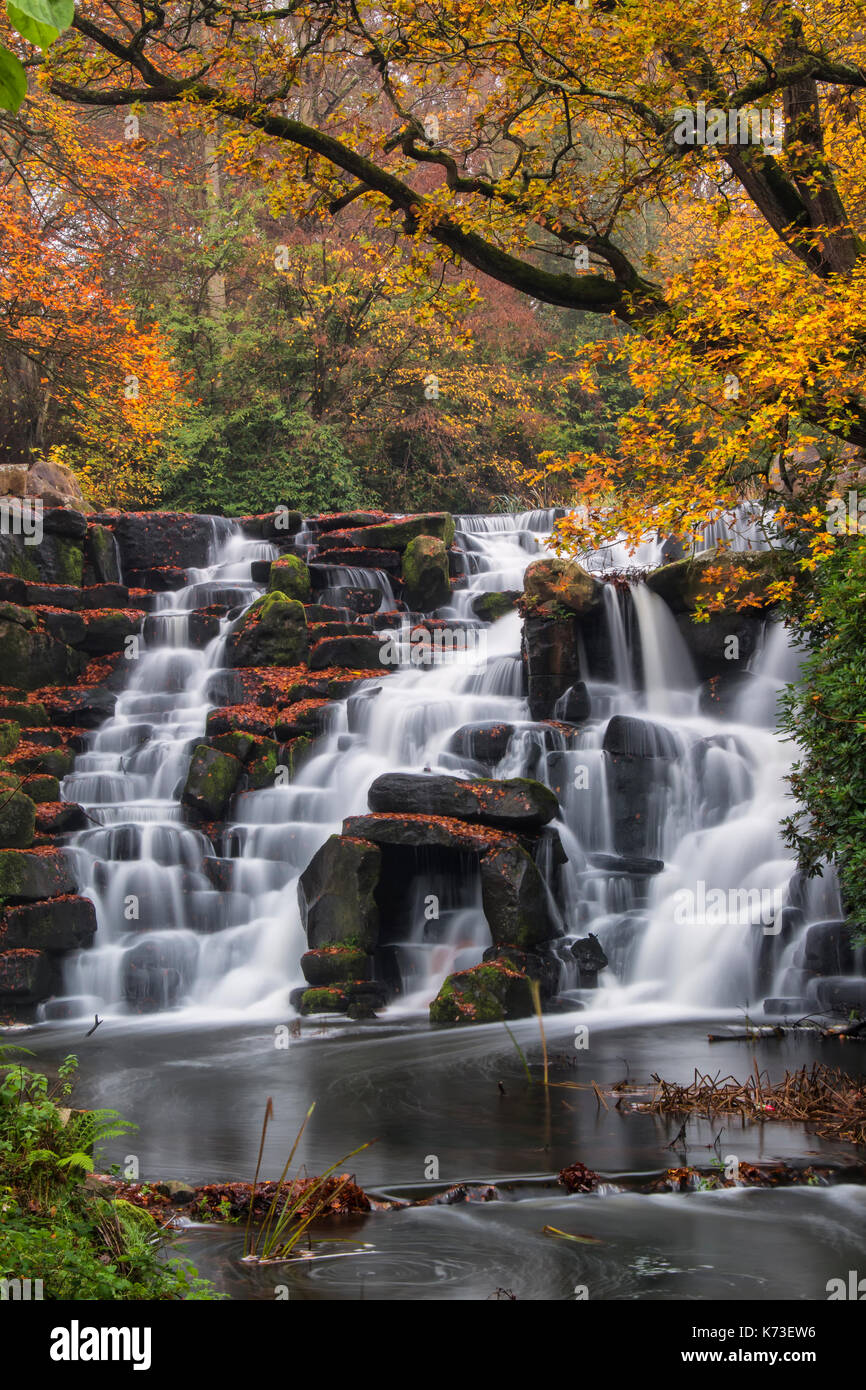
(715,800)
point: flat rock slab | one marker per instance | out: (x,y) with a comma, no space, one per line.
(515,804)
(443,832)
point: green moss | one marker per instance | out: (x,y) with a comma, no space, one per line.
(290,576)
(491,606)
(17,820)
(41,787)
(425,573)
(322,1001)
(484,994)
(211,779)
(10,733)
(70,560)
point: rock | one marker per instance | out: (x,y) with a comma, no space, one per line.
(108,595)
(107,630)
(101,555)
(158,971)
(68,627)
(322,1001)
(338,521)
(517,804)
(552,661)
(535,965)
(721,694)
(39,873)
(827,949)
(210,782)
(272,632)
(355,653)
(590,959)
(425,574)
(483,994)
(845,996)
(55,817)
(62,521)
(290,576)
(84,708)
(336,966)
(683,585)
(280,524)
(43,788)
(627,736)
(398,534)
(784,1007)
(56,559)
(27,976)
(10,733)
(56,484)
(36,658)
(723,645)
(423,831)
(179,1193)
(160,579)
(336,894)
(484,743)
(575,705)
(387,560)
(553,584)
(150,540)
(67,923)
(495,604)
(17,820)
(631,864)
(515,898)
(30,715)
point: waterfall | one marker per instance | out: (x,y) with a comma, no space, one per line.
(217,928)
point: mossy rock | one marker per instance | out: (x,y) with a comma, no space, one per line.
(294,754)
(494,605)
(553,586)
(336,894)
(107,631)
(336,965)
(10,733)
(261,769)
(397,535)
(29,874)
(42,787)
(483,994)
(102,554)
(684,585)
(425,574)
(36,658)
(323,1001)
(272,632)
(135,1218)
(49,762)
(210,782)
(17,820)
(236,742)
(290,576)
(29,716)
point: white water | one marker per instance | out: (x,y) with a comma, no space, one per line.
(715,808)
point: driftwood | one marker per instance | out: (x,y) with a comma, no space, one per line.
(855,1031)
(831,1103)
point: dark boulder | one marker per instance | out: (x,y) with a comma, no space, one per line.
(516,804)
(425,574)
(336,894)
(210,782)
(484,743)
(60,924)
(29,874)
(355,653)
(486,993)
(515,899)
(272,632)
